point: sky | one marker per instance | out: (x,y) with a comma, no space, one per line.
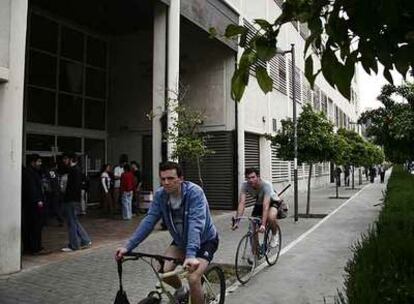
(370,87)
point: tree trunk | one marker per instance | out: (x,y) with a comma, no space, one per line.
(353,177)
(360,176)
(200,178)
(336,185)
(309,190)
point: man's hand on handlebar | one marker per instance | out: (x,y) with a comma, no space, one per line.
(120,252)
(191,264)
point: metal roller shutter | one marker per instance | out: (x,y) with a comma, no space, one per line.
(219,171)
(251,157)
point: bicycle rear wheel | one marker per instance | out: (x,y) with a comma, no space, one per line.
(245,260)
(273,244)
(214,285)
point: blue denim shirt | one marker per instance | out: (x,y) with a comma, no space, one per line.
(198,224)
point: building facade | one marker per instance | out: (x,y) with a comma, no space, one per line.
(85,76)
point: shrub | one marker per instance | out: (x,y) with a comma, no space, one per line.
(382,268)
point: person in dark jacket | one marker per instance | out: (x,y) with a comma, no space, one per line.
(78,237)
(33,206)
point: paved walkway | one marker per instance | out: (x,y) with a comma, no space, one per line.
(89,276)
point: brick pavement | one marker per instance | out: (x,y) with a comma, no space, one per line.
(89,276)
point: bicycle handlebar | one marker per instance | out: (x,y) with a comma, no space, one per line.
(160,258)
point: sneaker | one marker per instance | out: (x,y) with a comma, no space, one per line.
(181,294)
(274,242)
(67,249)
(87,245)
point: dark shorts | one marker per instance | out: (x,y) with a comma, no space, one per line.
(207,249)
(258,209)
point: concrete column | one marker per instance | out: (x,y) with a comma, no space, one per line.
(11,122)
(158,85)
(173,63)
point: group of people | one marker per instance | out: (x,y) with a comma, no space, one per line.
(183,207)
(56,191)
(121,184)
(370,173)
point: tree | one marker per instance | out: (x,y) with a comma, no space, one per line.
(392,126)
(184,134)
(189,143)
(342,34)
(315,141)
(357,150)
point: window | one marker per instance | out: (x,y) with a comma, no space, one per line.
(70,111)
(37,101)
(42,70)
(278,73)
(95,152)
(96,55)
(37,142)
(69,144)
(70,80)
(94,114)
(72,44)
(38,27)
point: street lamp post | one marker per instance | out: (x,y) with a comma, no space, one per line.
(295,132)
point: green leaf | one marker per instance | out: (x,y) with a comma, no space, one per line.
(265,82)
(309,68)
(212,32)
(239,82)
(388,76)
(234,30)
(264,24)
(266,48)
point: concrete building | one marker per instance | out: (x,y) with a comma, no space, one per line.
(85,75)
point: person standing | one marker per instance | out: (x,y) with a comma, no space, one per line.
(127,191)
(78,237)
(33,206)
(381,171)
(137,185)
(106,183)
(118,170)
(53,194)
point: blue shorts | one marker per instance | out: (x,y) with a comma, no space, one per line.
(207,249)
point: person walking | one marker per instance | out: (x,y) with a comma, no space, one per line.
(33,207)
(78,237)
(137,186)
(127,191)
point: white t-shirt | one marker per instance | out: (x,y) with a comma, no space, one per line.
(106,181)
(117,174)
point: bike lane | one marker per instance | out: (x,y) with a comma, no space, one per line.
(311,269)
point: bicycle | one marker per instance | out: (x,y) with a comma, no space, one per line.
(213,280)
(252,248)
(248,254)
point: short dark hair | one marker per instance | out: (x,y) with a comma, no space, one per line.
(251,170)
(33,158)
(127,168)
(73,157)
(170,165)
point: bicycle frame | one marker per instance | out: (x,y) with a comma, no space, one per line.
(161,288)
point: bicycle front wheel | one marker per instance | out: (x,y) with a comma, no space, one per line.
(273,244)
(214,285)
(245,260)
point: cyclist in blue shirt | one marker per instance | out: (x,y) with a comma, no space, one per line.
(184,209)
